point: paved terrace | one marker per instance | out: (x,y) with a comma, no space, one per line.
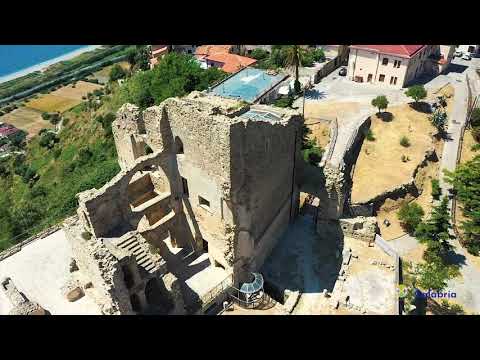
(39,270)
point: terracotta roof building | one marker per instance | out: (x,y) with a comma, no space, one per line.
(221,56)
(397,65)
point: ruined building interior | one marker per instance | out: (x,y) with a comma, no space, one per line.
(207,186)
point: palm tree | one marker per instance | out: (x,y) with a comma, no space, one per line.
(294,58)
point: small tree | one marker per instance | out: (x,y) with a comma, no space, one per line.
(432,276)
(380,102)
(416,92)
(410,215)
(436,191)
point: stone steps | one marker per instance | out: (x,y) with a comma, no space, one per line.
(142,257)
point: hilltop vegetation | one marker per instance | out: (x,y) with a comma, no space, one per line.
(39,188)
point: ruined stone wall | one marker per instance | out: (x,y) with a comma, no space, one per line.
(361,228)
(265,193)
(106,212)
(102,269)
(126,132)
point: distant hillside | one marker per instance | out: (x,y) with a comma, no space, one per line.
(39,189)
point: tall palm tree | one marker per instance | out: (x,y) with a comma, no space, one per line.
(294,59)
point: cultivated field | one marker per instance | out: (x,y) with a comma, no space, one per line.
(62,99)
(26,119)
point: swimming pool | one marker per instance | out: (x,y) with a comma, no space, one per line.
(248,84)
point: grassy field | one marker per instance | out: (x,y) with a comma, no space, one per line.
(62,99)
(26,119)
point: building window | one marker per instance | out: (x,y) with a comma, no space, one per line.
(204,203)
(369,78)
(397,63)
(395,80)
(381,78)
(385,61)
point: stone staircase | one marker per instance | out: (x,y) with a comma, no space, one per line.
(142,256)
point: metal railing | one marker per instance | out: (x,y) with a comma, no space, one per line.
(214,293)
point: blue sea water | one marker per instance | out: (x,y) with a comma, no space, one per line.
(14,58)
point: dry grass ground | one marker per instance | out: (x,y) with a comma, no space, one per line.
(390,208)
(26,119)
(379,166)
(62,99)
(330,110)
(320,132)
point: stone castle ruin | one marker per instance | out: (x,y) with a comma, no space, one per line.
(207,186)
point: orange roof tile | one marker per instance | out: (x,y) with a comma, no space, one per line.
(231,62)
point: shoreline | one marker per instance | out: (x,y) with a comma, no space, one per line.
(45,64)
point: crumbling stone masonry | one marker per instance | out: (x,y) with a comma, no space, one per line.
(201,173)
(21,305)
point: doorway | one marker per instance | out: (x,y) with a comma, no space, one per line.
(369,78)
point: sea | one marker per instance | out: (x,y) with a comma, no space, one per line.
(18,60)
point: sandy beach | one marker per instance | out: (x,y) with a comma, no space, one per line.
(43,65)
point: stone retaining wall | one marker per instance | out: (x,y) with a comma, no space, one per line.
(382,244)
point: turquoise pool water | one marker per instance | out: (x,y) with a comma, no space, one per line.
(247,84)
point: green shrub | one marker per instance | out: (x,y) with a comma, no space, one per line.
(436,191)
(404,141)
(410,215)
(284,102)
(370,136)
(475,117)
(259,54)
(116,73)
(86,235)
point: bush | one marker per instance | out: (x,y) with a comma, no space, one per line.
(475,117)
(116,73)
(46,116)
(436,191)
(259,54)
(370,136)
(476,133)
(318,55)
(86,235)
(410,215)
(284,102)
(404,141)
(405,158)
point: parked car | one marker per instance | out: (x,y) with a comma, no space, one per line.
(458,53)
(466,57)
(343,71)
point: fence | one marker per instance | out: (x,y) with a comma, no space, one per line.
(382,244)
(216,292)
